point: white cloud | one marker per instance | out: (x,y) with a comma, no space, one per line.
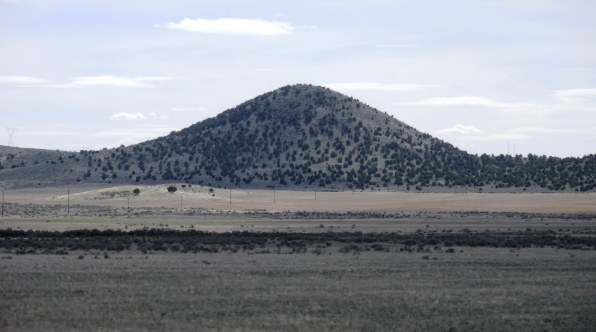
(267,70)
(471,133)
(460,129)
(515,134)
(401,46)
(473,101)
(128,116)
(139,116)
(22,80)
(497,137)
(232,26)
(115,81)
(187,109)
(153,115)
(576,92)
(87,81)
(460,101)
(374,86)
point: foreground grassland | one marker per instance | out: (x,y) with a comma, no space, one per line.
(153,268)
(480,289)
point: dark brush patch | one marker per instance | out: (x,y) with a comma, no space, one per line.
(193,241)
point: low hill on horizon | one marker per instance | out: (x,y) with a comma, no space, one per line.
(297,137)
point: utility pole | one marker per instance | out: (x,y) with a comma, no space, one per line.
(10,132)
(230,196)
(315,195)
(68,203)
(273,196)
(180,201)
(2,202)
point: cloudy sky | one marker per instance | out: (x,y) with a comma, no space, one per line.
(483,75)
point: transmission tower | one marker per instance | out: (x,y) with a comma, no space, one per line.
(10,132)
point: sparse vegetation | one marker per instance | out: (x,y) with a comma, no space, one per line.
(193,241)
(485,289)
(316,270)
(303,136)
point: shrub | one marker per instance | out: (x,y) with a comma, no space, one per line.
(172,189)
(136,191)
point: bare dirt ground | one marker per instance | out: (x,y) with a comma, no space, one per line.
(279,200)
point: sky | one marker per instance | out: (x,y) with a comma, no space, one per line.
(491,77)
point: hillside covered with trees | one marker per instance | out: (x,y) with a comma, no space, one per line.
(296,137)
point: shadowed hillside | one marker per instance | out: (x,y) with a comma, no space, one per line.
(300,136)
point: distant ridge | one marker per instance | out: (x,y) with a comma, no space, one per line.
(296,137)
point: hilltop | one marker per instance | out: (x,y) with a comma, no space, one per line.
(295,137)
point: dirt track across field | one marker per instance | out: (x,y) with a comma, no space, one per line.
(283,200)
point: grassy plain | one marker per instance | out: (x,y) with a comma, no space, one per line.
(288,222)
(533,278)
(481,289)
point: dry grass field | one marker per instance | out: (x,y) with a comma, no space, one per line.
(481,289)
(287,222)
(283,200)
(346,261)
